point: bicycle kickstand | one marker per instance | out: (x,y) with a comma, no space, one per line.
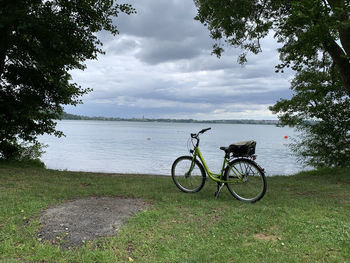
(220,185)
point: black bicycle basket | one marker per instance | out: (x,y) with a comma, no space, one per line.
(242,149)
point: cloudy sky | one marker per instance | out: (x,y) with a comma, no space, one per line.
(160,66)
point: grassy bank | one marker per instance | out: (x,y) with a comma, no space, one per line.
(302,218)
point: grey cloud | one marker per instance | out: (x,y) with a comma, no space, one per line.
(121,46)
(174,92)
(156,51)
(161,66)
(171,20)
(243,97)
(207,62)
(167,30)
(112,110)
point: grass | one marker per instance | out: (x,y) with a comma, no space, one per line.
(302,218)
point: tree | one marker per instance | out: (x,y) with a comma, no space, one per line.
(316,43)
(308,29)
(319,109)
(40,41)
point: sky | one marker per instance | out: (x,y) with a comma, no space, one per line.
(160,66)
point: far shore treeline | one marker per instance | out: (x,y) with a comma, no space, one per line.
(67,116)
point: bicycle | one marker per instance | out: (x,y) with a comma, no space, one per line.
(243,177)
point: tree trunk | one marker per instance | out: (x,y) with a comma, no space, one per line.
(344,35)
(338,8)
(341,55)
(3,48)
(341,62)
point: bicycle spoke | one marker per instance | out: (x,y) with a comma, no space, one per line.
(252,184)
(188,175)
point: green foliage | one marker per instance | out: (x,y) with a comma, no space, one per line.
(307,29)
(40,41)
(320,97)
(315,35)
(28,163)
(21,152)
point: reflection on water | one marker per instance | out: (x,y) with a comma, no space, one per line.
(151,148)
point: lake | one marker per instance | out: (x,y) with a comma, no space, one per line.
(151,147)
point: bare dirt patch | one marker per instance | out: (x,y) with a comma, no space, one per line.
(73,223)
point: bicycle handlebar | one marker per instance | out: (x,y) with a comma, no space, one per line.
(195,135)
(204,130)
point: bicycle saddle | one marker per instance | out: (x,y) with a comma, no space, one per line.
(224,148)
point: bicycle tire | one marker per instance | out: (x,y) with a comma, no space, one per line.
(252,187)
(188,183)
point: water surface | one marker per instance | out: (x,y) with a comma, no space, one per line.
(151,147)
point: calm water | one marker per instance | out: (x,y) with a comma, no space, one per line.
(151,148)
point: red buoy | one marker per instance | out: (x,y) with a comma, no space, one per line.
(285,136)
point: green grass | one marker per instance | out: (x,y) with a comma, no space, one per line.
(302,218)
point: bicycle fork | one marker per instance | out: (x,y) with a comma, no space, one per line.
(188,173)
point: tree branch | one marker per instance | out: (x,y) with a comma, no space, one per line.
(341,61)
(338,7)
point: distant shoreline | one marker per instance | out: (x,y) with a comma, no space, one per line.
(67,116)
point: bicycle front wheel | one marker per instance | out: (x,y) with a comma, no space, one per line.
(188,174)
(248,180)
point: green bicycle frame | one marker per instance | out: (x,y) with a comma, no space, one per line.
(216,177)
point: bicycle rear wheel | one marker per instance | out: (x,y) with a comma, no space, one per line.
(188,176)
(249,181)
